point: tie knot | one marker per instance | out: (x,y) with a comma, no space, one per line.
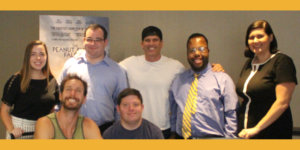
(196,75)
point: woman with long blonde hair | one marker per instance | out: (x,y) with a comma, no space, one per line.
(30,93)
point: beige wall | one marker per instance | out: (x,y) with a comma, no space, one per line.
(225,31)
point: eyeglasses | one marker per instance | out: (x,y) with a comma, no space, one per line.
(98,40)
(201,49)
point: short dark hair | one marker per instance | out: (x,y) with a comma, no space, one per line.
(260,24)
(151,30)
(196,35)
(70,77)
(127,92)
(96,26)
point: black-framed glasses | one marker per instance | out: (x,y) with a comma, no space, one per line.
(201,49)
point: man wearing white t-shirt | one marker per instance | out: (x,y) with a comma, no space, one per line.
(152,74)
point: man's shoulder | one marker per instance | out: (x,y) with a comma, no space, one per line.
(74,60)
(134,57)
(44,128)
(46,118)
(173,63)
(130,59)
(87,122)
(112,130)
(180,79)
(71,61)
(150,125)
(90,128)
(183,74)
(111,62)
(221,75)
(153,130)
(172,60)
(223,79)
(114,66)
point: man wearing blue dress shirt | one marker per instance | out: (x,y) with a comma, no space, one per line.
(213,97)
(105,78)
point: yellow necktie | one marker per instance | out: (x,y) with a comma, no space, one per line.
(189,109)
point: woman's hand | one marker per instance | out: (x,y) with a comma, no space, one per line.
(248,133)
(17,132)
(284,93)
(217,68)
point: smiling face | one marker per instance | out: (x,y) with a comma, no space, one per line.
(72,96)
(152,46)
(94,43)
(38,57)
(197,53)
(130,110)
(259,41)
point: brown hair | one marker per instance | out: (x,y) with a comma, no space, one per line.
(76,77)
(25,71)
(94,27)
(127,92)
(260,24)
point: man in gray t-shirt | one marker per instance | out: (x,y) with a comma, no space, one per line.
(132,125)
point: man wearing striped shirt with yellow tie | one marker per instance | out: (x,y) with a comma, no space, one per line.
(203,102)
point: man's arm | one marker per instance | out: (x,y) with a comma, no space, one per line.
(122,84)
(230,107)
(173,108)
(44,129)
(90,129)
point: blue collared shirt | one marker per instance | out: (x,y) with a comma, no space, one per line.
(105,79)
(217,103)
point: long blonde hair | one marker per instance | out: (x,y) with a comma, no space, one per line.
(26,70)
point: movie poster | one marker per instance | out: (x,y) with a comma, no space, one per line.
(63,36)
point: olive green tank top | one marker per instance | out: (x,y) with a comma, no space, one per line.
(58,134)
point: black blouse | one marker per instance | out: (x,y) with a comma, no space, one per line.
(259,83)
(36,102)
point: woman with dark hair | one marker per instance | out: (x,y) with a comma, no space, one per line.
(266,85)
(30,93)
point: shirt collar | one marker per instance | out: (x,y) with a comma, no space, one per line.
(155,62)
(83,58)
(202,72)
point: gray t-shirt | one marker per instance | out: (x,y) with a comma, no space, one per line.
(147,130)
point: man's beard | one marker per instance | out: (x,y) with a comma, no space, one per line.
(77,107)
(200,68)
